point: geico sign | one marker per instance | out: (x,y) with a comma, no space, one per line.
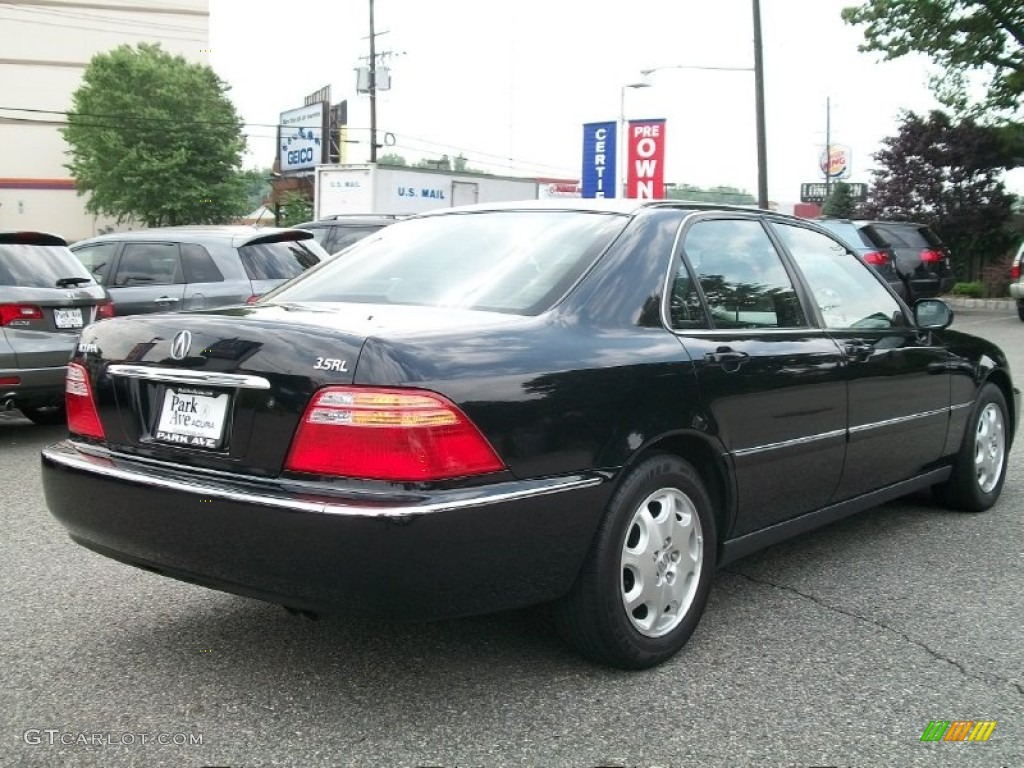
(296,156)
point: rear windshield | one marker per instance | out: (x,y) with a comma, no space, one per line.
(847,231)
(281,260)
(41,266)
(519,262)
(908,236)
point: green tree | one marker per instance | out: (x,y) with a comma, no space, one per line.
(390,158)
(155,139)
(257,186)
(295,208)
(961,36)
(948,175)
(840,204)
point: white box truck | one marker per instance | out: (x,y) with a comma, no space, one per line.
(342,189)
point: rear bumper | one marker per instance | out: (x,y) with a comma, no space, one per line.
(1017,291)
(36,386)
(407,555)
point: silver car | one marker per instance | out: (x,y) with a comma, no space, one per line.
(196,267)
(46,298)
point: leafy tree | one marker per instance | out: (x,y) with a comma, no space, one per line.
(947,175)
(961,36)
(295,208)
(155,139)
(840,204)
(390,158)
(257,186)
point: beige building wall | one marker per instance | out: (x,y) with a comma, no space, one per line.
(46,46)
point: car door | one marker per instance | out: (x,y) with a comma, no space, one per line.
(148,279)
(898,377)
(772,383)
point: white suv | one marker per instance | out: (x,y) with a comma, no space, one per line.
(1017,280)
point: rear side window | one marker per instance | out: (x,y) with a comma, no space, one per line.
(740,274)
(908,236)
(345,236)
(97,258)
(149,264)
(198,266)
(847,231)
(41,266)
(282,260)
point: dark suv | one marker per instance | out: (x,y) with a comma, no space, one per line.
(176,268)
(881,257)
(922,259)
(46,298)
(335,233)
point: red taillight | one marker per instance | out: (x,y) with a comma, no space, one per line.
(81,408)
(876,259)
(105,309)
(9,312)
(931,256)
(252,299)
(388,434)
(10,381)
(1015,271)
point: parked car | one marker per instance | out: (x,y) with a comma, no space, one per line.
(595,403)
(336,233)
(879,255)
(46,298)
(922,259)
(1017,280)
(175,268)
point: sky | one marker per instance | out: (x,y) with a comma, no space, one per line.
(510,84)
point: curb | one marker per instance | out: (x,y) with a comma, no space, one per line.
(963,302)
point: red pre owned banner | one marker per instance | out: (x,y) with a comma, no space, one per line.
(646,164)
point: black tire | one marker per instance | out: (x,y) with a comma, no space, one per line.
(1020,310)
(980,467)
(44,415)
(594,617)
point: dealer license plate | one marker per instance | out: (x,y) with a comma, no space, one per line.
(68,318)
(193,418)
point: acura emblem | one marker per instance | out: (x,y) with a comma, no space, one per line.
(180,344)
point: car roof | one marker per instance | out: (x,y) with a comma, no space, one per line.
(350,219)
(627,206)
(236,234)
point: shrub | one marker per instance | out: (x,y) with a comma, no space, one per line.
(974,290)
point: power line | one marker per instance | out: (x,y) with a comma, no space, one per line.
(99,18)
(127,33)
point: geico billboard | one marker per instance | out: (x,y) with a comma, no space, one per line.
(301,131)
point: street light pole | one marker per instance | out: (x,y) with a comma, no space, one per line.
(762,142)
(620,162)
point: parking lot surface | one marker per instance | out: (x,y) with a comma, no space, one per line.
(837,648)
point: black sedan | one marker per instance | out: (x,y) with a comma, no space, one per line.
(587,403)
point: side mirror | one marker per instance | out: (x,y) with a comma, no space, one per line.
(932,314)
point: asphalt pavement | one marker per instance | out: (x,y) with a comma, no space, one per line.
(837,648)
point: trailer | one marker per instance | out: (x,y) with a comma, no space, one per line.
(389,189)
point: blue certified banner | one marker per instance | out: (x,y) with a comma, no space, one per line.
(598,178)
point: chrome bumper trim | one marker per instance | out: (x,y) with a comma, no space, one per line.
(183,376)
(67,457)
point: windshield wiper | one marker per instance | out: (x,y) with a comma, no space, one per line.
(64,282)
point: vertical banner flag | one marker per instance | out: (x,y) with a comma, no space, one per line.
(598,179)
(646,165)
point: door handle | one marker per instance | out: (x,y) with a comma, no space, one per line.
(166,300)
(858,350)
(726,356)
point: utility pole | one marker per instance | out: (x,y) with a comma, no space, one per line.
(373,89)
(762,142)
(828,147)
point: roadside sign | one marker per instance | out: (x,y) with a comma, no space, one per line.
(817,191)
